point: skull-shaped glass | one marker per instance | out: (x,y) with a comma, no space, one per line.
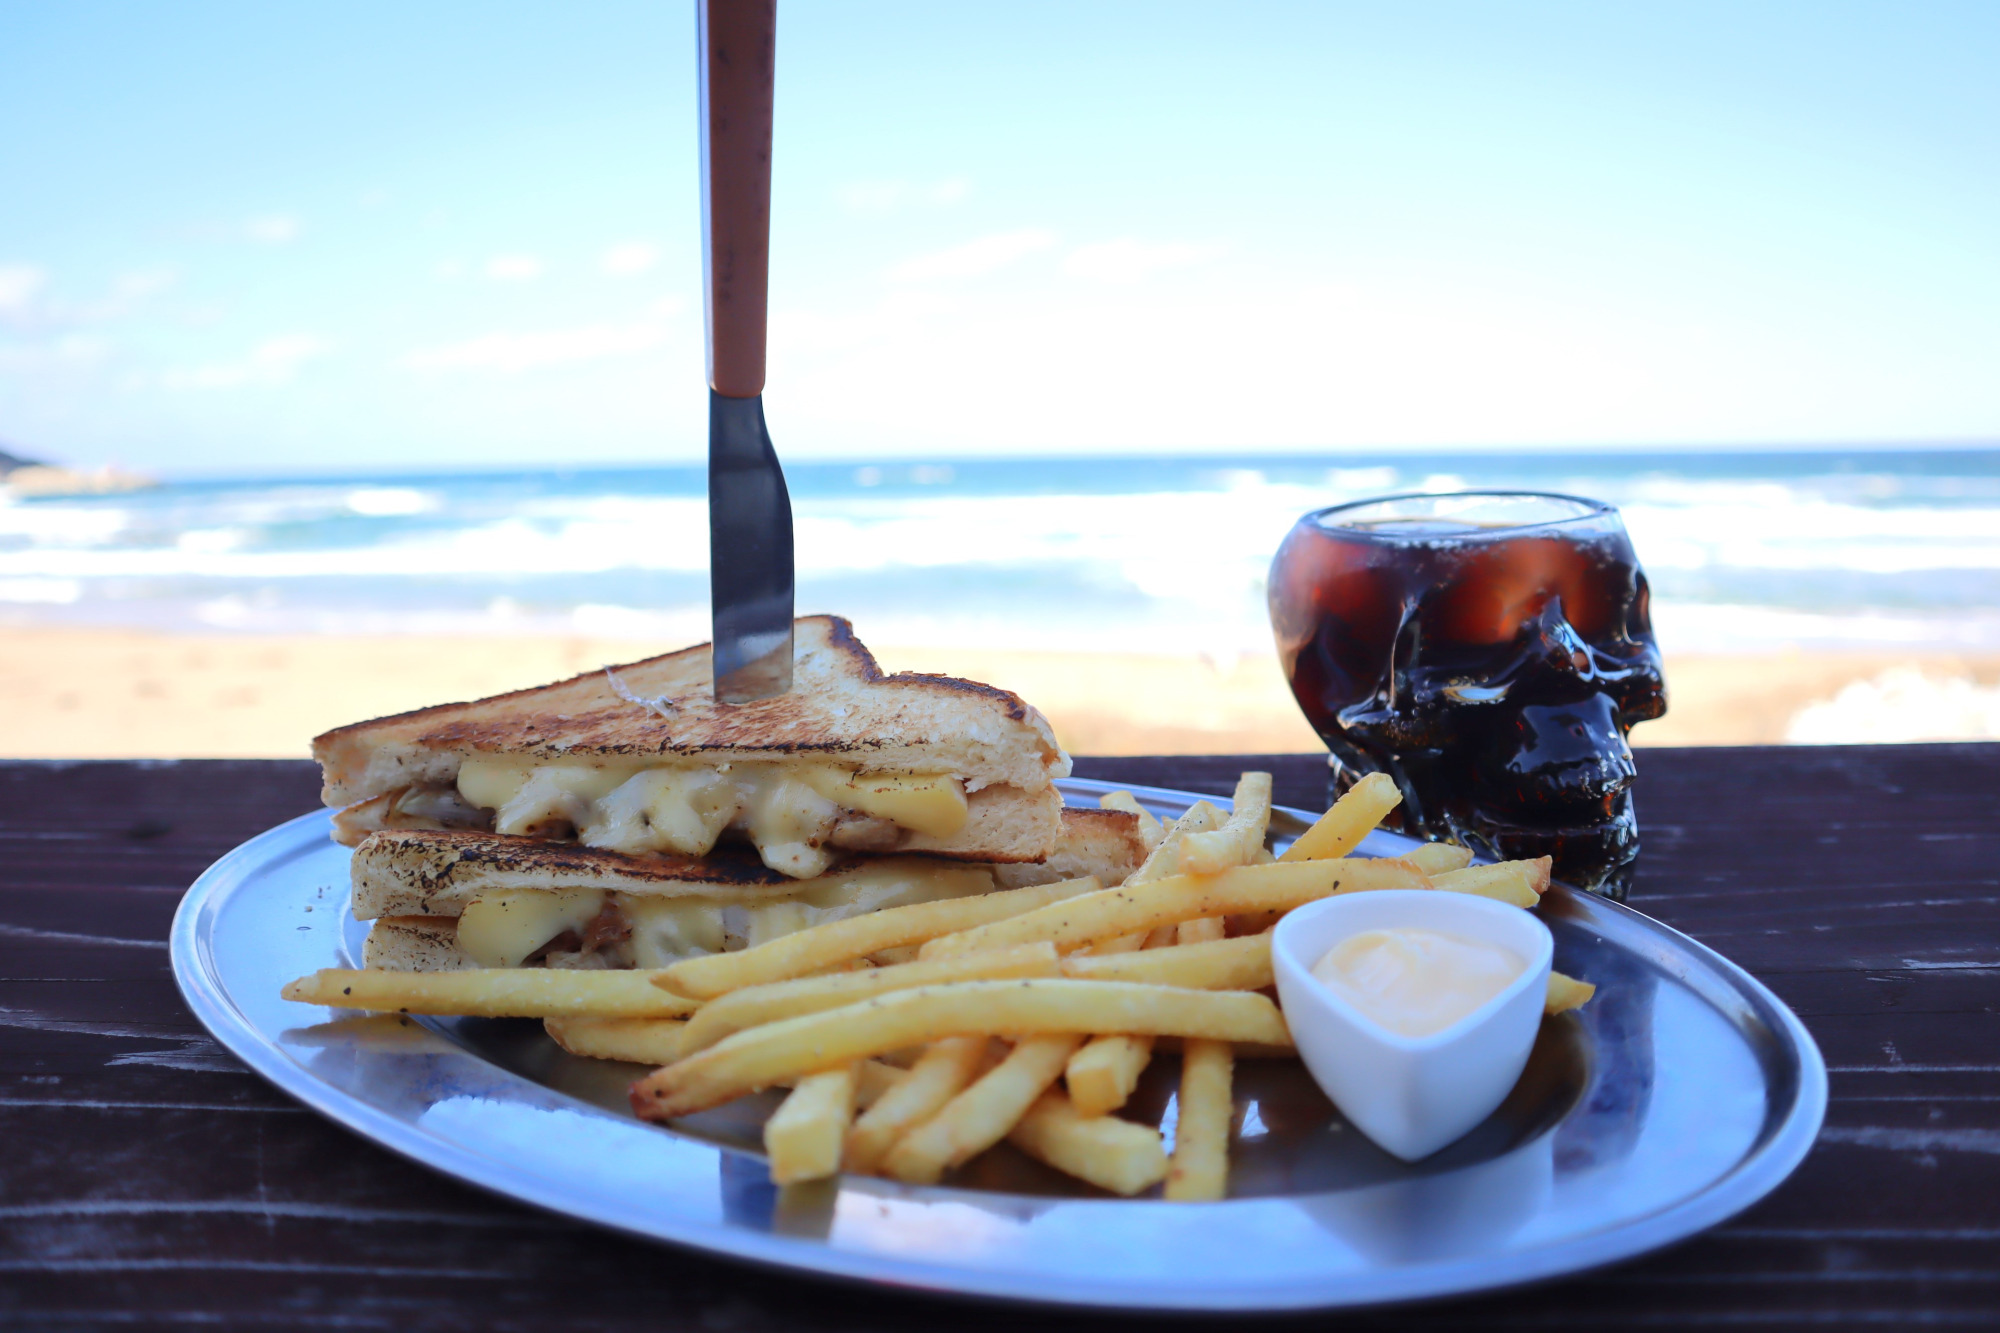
(1490,651)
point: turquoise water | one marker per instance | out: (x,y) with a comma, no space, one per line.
(1747,552)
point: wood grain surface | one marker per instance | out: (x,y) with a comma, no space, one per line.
(148,1180)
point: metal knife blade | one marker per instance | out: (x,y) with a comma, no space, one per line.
(750,569)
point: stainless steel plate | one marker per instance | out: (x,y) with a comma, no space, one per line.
(1680,1095)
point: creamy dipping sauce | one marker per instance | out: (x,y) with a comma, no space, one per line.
(1417,982)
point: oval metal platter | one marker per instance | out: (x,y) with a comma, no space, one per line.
(1682,1093)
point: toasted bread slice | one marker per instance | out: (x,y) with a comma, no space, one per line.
(1104,843)
(415,944)
(841,709)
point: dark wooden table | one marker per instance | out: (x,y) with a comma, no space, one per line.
(147,1179)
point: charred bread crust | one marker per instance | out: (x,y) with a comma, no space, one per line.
(845,708)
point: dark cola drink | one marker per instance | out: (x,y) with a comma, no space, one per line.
(1490,651)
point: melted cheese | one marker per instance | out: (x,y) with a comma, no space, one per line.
(680,810)
(526,799)
(502,928)
(929,803)
(789,811)
(666,930)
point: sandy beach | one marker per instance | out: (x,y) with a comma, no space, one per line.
(81,693)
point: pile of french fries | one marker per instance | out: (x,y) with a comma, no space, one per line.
(915,1038)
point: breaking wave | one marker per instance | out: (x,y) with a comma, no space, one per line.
(1164,555)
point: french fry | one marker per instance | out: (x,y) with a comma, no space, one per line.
(1237,841)
(642,1041)
(1071,924)
(1165,858)
(1150,828)
(1341,829)
(1200,818)
(754,1005)
(1521,883)
(980,1116)
(493,992)
(819,947)
(1200,1170)
(1438,858)
(656,1042)
(777,1051)
(1110,1153)
(875,1080)
(1243,963)
(946,1067)
(1101,1075)
(1567,993)
(1201,930)
(803,1137)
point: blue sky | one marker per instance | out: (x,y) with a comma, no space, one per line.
(254,237)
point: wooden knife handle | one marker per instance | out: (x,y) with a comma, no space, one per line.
(738,43)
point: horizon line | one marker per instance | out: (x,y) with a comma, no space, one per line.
(1331,454)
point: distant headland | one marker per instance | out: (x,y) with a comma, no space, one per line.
(24,476)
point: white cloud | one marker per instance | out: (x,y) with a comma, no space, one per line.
(26,304)
(513,268)
(512,353)
(1386,364)
(272,229)
(271,362)
(974,257)
(1129,260)
(50,592)
(19,285)
(874,198)
(631,257)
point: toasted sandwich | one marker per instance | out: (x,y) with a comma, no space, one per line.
(640,761)
(442,899)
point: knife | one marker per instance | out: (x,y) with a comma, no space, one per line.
(750,574)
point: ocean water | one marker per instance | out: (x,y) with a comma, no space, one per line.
(1747,553)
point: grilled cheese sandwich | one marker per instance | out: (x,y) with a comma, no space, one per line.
(851,761)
